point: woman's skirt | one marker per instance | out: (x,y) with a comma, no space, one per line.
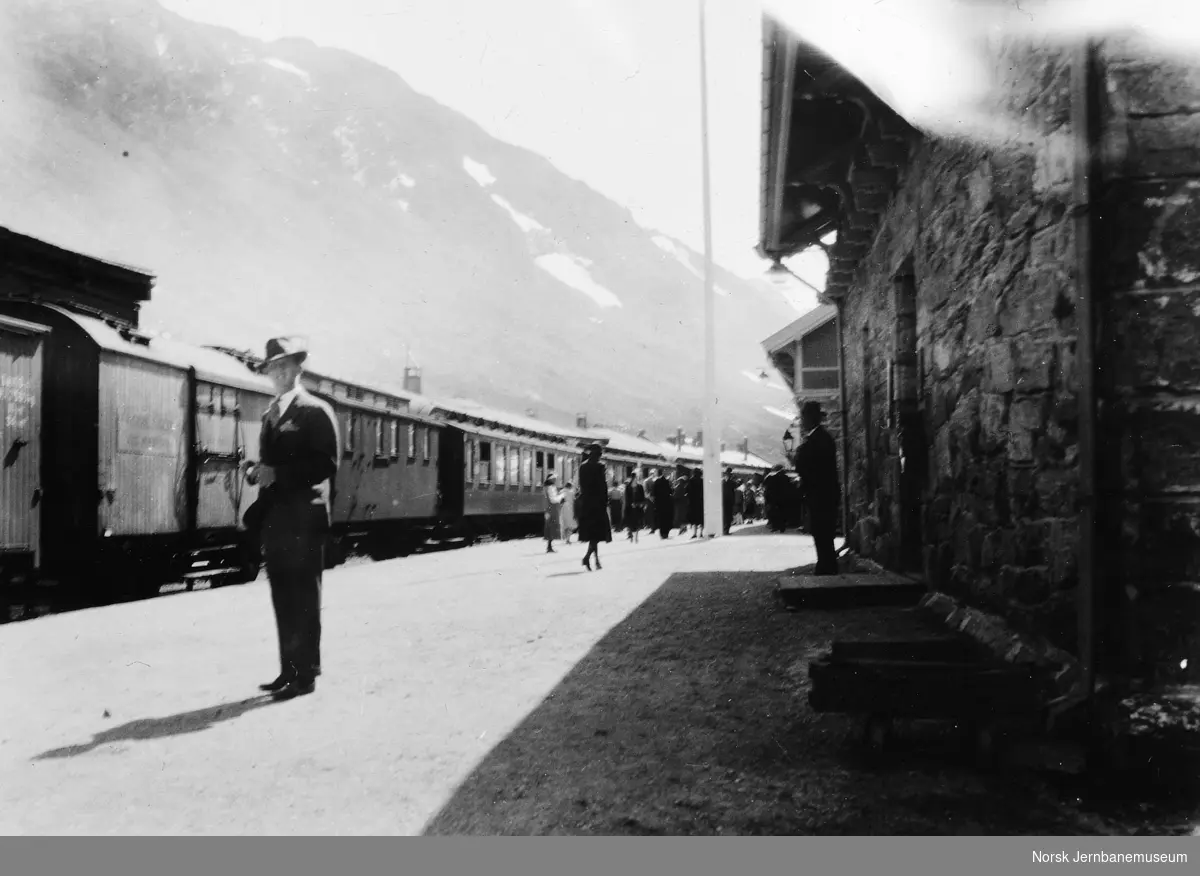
(553,525)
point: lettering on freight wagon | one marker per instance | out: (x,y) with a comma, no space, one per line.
(147,436)
(18,400)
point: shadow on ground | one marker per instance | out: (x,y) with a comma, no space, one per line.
(691,717)
(157,728)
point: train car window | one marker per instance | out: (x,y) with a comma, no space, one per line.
(412,441)
(539,467)
(427,451)
(485,462)
(514,466)
(550,469)
(380,443)
(469,474)
(527,467)
(394,439)
(346,424)
(501,467)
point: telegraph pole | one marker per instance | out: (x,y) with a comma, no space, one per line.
(713,517)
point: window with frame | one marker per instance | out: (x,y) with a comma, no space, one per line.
(427,443)
(501,466)
(483,472)
(348,424)
(394,439)
(380,442)
(412,441)
(515,467)
(527,467)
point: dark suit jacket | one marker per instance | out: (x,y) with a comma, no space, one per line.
(662,491)
(816,463)
(303,448)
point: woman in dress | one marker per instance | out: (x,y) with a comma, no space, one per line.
(554,500)
(593,504)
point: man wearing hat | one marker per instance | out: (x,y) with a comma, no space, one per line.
(816,463)
(298,456)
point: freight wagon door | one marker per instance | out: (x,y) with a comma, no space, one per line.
(20,437)
(143,447)
(228,422)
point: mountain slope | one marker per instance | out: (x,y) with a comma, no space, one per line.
(283,187)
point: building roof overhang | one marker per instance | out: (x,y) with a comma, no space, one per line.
(833,151)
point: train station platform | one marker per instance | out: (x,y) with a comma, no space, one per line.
(487,690)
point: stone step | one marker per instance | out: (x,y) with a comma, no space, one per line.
(847,590)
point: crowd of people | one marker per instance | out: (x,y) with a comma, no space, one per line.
(657,503)
(660,503)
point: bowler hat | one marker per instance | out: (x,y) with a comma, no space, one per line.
(593,450)
(285,348)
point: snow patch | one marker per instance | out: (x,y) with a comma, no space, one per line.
(349,152)
(402,204)
(782,414)
(402,179)
(525,223)
(160,44)
(762,379)
(478,172)
(288,68)
(568,269)
(680,255)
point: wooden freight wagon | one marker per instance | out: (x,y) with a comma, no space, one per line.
(142,439)
(21,363)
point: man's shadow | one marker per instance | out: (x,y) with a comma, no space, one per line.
(157,728)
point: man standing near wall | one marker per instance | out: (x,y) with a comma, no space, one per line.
(816,463)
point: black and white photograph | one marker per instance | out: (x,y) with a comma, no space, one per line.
(603,418)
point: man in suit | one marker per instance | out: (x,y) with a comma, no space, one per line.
(816,463)
(664,507)
(299,451)
(728,494)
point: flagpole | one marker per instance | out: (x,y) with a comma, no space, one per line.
(713,523)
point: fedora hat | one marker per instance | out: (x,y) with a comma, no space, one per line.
(811,410)
(285,348)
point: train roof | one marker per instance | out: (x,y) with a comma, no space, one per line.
(690,453)
(621,442)
(211,365)
(468,411)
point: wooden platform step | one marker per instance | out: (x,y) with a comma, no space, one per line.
(943,688)
(847,590)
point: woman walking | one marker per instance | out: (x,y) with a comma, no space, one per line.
(593,504)
(554,499)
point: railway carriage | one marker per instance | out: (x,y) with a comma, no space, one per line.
(138,443)
(386,498)
(494,466)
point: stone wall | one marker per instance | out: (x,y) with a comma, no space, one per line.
(960,347)
(1149,358)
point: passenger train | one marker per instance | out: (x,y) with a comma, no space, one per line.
(124,459)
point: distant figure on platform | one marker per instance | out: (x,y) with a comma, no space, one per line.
(299,451)
(593,504)
(681,502)
(648,518)
(728,494)
(739,503)
(568,520)
(816,463)
(664,507)
(554,501)
(616,499)
(695,502)
(635,503)
(775,491)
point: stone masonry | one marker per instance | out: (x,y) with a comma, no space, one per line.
(963,387)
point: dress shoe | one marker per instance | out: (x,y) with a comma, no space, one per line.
(275,685)
(294,688)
